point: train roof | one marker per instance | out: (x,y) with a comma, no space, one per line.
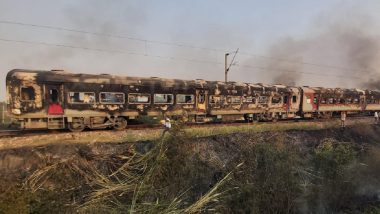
(64,76)
(61,76)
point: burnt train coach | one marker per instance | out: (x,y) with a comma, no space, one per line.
(57,100)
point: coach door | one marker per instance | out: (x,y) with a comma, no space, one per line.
(201,100)
(54,99)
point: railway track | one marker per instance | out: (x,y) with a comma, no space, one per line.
(26,133)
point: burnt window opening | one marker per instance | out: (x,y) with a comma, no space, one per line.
(216,99)
(185,99)
(373,101)
(138,98)
(28,94)
(343,101)
(81,97)
(249,99)
(263,100)
(112,97)
(234,99)
(286,99)
(54,98)
(276,100)
(163,98)
(294,99)
(201,98)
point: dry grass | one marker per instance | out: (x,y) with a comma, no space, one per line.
(130,188)
(155,134)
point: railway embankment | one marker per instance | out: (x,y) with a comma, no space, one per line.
(290,167)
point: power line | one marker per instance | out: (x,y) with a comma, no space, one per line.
(164,57)
(146,41)
(109,51)
(108,35)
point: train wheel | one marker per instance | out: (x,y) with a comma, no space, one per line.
(120,123)
(76,126)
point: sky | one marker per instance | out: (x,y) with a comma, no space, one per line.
(331,43)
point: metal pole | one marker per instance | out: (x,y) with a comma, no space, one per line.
(225,67)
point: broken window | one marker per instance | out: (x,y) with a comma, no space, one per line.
(201,98)
(112,97)
(276,100)
(372,100)
(234,99)
(28,94)
(185,99)
(286,99)
(263,99)
(81,97)
(294,99)
(216,99)
(54,95)
(138,98)
(249,99)
(163,98)
(331,100)
(323,101)
(349,101)
(356,100)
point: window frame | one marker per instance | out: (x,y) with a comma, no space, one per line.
(266,98)
(154,99)
(253,99)
(100,99)
(203,96)
(280,102)
(192,99)
(294,99)
(34,91)
(222,99)
(232,97)
(76,103)
(147,103)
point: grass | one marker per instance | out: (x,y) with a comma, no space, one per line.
(130,186)
(154,134)
(177,175)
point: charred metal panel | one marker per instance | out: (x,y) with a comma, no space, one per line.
(27,93)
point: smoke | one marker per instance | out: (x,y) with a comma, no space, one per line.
(339,51)
(285,72)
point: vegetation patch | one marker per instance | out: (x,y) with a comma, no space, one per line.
(294,171)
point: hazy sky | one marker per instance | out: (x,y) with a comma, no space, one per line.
(342,33)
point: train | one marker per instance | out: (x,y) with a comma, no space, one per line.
(58,99)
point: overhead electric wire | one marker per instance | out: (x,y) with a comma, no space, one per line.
(179,45)
(164,57)
(108,35)
(108,51)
